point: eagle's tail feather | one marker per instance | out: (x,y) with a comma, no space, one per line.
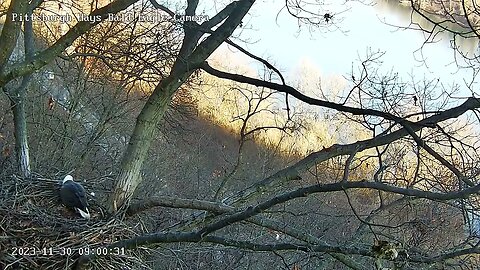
(85,214)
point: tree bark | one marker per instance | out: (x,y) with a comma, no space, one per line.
(21,139)
(189,59)
(17,101)
(141,140)
(10,32)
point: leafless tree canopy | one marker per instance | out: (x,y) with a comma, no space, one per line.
(194,163)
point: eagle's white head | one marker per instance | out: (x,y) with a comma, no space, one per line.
(67,178)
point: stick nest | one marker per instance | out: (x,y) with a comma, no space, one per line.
(38,232)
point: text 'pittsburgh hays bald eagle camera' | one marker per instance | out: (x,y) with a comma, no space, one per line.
(73,196)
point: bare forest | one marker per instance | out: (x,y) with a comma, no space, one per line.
(193,150)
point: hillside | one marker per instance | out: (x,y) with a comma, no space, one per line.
(174,144)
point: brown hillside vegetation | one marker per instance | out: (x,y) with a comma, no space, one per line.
(189,160)
(198,155)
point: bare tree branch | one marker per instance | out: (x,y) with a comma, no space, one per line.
(293,171)
(292,91)
(165,201)
(47,55)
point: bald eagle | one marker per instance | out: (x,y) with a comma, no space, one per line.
(73,196)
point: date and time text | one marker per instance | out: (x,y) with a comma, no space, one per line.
(67,251)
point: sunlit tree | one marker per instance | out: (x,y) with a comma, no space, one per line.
(399,191)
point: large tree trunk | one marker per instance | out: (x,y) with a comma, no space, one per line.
(21,140)
(141,139)
(190,57)
(17,101)
(10,32)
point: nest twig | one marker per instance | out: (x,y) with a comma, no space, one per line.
(38,232)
